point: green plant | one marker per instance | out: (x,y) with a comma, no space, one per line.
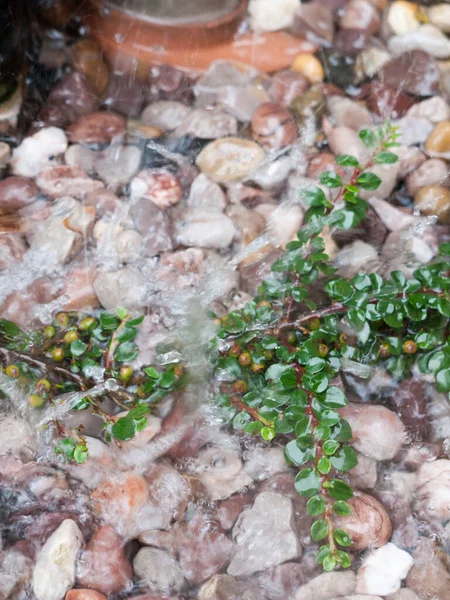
(276,362)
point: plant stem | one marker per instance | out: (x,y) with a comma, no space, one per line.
(109,357)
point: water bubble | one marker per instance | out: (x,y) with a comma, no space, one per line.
(111,385)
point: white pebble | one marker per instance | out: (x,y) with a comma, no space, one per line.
(382,570)
(37,151)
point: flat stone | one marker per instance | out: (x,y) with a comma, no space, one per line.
(327,586)
(158,569)
(264,536)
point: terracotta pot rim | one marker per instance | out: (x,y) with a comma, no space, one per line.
(238,12)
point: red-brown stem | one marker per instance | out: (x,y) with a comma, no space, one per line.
(251,411)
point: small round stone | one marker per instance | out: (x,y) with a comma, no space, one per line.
(439,140)
(273,126)
(163,188)
(360,14)
(230,159)
(309,66)
(434,200)
(97,128)
(287,85)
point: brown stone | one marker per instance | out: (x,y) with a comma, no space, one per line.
(66,181)
(386,101)
(314,21)
(97,128)
(429,578)
(84,595)
(414,72)
(16,192)
(87,59)
(439,140)
(434,200)
(273,126)
(325,161)
(287,85)
(368,525)
(360,14)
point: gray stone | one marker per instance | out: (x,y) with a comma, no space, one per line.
(264,535)
(328,586)
(158,569)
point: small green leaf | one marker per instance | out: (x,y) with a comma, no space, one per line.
(339,490)
(253,427)
(136,321)
(322,553)
(167,379)
(329,447)
(329,563)
(386,158)
(288,379)
(369,181)
(342,508)
(126,352)
(330,179)
(335,397)
(315,365)
(296,456)
(267,433)
(314,196)
(80,454)
(151,372)
(342,538)
(139,411)
(319,530)
(9,329)
(123,429)
(121,313)
(443,380)
(316,506)
(307,482)
(324,465)
(343,558)
(108,321)
(368,137)
(345,160)
(344,460)
(443,306)
(77,348)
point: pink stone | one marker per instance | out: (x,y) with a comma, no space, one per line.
(84,595)
(104,566)
(66,181)
(16,192)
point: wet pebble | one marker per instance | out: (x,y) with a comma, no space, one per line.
(386,101)
(343,140)
(427,38)
(85,594)
(230,159)
(431,172)
(428,577)
(433,488)
(434,109)
(154,225)
(97,128)
(12,249)
(287,85)
(309,66)
(53,576)
(165,114)
(17,192)
(162,188)
(310,106)
(415,72)
(159,570)
(66,181)
(220,471)
(383,570)
(37,151)
(327,586)
(369,525)
(170,83)
(103,565)
(206,193)
(360,14)
(264,536)
(438,143)
(434,200)
(347,113)
(5,154)
(267,16)
(402,17)
(207,124)
(273,126)
(87,59)
(315,22)
(439,16)
(120,288)
(377,431)
(125,94)
(128,245)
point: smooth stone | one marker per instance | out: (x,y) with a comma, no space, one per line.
(386,101)
(429,577)
(339,69)
(158,569)
(207,124)
(347,113)
(17,192)
(204,229)
(343,140)
(264,536)
(433,171)
(103,565)
(393,218)
(154,225)
(5,154)
(368,525)
(54,571)
(37,151)
(433,488)
(351,42)
(327,586)
(18,438)
(66,181)
(125,94)
(315,22)
(287,85)
(165,114)
(230,159)
(220,471)
(226,587)
(125,287)
(87,59)
(97,128)
(128,245)
(439,16)
(12,250)
(402,17)
(383,570)
(434,200)
(273,126)
(427,38)
(434,109)
(377,432)
(80,594)
(415,72)
(438,143)
(309,66)
(206,193)
(364,475)
(162,188)
(356,257)
(413,131)
(359,14)
(248,224)
(369,61)
(266,15)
